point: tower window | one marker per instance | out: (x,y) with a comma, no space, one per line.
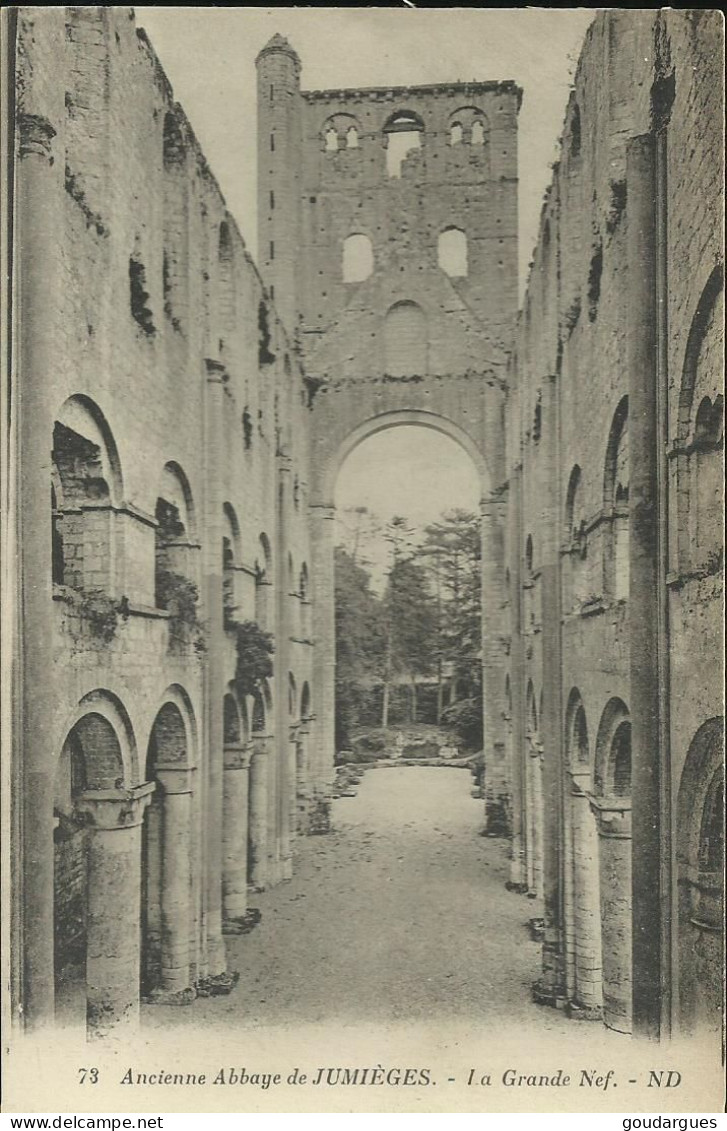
(358,258)
(452,252)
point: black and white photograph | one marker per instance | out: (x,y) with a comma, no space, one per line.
(362,466)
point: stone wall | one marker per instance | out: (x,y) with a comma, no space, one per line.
(169,388)
(582,353)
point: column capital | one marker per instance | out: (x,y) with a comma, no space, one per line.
(580,781)
(238,757)
(216,372)
(176,779)
(261,745)
(35,136)
(115,808)
(613,815)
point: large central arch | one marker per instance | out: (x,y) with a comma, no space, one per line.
(396,418)
(335,436)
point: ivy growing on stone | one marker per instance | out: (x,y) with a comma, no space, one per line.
(254,648)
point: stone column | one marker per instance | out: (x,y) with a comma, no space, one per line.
(645,588)
(176,881)
(302,792)
(551,985)
(324,634)
(492,516)
(236,802)
(535,869)
(113,946)
(518,878)
(39,181)
(258,804)
(587,998)
(214,419)
(283,857)
(614,832)
(293,782)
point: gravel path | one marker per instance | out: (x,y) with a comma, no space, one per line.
(400,914)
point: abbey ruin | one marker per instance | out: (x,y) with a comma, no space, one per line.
(178,418)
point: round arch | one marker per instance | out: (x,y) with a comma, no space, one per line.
(82,415)
(174,482)
(576,732)
(175,706)
(700,881)
(393,419)
(531,711)
(107,706)
(612,743)
(305,701)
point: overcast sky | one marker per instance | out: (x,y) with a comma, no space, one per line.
(209,57)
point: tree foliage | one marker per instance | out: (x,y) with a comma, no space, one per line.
(360,641)
(453,552)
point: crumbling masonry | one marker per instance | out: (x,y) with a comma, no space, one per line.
(178,422)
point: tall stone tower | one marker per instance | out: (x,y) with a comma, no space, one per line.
(388,230)
(278,154)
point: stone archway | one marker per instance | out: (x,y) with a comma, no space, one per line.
(582,895)
(700,876)
(168,907)
(334,440)
(98,810)
(612,806)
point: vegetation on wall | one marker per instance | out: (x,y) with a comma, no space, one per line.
(254,648)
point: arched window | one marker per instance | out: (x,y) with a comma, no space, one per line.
(469,126)
(700,442)
(263,583)
(175,586)
(231,561)
(86,484)
(258,714)
(403,135)
(613,751)
(452,252)
(616,506)
(575,544)
(621,760)
(340,132)
(529,555)
(405,340)
(358,258)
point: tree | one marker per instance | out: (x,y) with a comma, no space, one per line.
(360,640)
(411,616)
(452,551)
